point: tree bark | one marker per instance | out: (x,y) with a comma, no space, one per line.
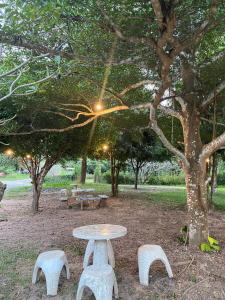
(114,176)
(2,190)
(36,195)
(136,178)
(197,205)
(83,170)
(195,176)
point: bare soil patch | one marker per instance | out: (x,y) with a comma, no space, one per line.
(147,223)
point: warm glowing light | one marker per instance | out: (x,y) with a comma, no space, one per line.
(9,152)
(207,160)
(105,147)
(98,106)
(28,156)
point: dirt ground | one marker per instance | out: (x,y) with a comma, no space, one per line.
(196,275)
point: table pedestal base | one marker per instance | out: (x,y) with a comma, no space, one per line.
(100,253)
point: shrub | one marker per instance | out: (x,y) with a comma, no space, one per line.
(124,178)
(8,164)
(58,179)
(166,179)
(221,178)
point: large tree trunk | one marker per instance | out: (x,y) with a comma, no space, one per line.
(197,205)
(83,170)
(197,201)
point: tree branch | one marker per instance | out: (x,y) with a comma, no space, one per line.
(212,122)
(158,13)
(120,35)
(164,140)
(135,86)
(213,59)
(212,147)
(212,94)
(13,89)
(203,28)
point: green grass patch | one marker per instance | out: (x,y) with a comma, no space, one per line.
(178,197)
(169,197)
(12,273)
(66,182)
(14,176)
(57,185)
(219,199)
(99,187)
(17,192)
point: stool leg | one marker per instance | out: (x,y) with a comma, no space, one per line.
(111,254)
(89,250)
(144,272)
(102,292)
(52,281)
(80,291)
(35,276)
(67,270)
(168,267)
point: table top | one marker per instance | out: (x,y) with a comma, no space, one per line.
(100,232)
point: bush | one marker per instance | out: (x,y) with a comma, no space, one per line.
(8,164)
(221,178)
(166,179)
(58,179)
(124,178)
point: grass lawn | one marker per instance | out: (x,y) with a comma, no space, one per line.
(17,192)
(179,197)
(14,176)
(12,273)
(160,194)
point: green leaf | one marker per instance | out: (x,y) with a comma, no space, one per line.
(184,229)
(204,247)
(216,247)
(212,241)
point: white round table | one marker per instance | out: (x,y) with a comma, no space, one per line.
(100,233)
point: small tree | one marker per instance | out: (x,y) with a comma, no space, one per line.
(38,153)
(142,147)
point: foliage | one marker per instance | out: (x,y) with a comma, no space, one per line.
(123,178)
(183,237)
(210,246)
(8,164)
(166,179)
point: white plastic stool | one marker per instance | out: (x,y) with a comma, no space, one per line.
(101,281)
(90,249)
(147,254)
(51,264)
